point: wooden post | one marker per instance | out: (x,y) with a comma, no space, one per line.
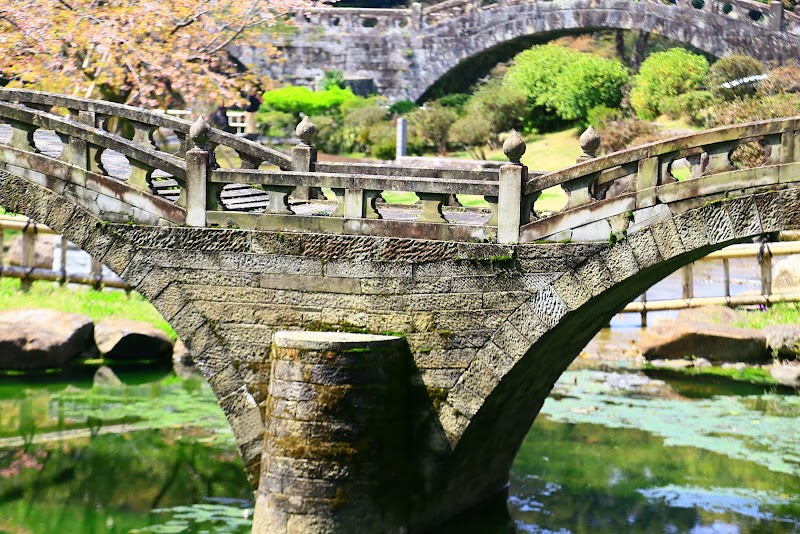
(688,281)
(97,274)
(766,273)
(644,309)
(64,246)
(726,269)
(28,254)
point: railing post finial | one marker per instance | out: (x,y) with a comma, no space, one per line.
(514,147)
(200,132)
(306,131)
(590,143)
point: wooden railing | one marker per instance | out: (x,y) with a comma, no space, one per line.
(27,271)
(762,254)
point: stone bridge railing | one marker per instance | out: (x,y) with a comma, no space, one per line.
(602,192)
(771,16)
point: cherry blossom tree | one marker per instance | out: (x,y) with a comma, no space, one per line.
(139,52)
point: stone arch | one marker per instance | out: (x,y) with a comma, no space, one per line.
(115,246)
(515,371)
(704,28)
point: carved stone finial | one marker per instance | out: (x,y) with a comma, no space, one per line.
(590,142)
(306,131)
(200,132)
(514,147)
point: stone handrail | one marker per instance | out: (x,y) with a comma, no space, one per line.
(407,170)
(771,15)
(643,176)
(145,123)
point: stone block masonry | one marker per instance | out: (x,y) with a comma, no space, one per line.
(336,454)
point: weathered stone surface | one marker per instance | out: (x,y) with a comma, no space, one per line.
(43,251)
(786,374)
(105,377)
(406,51)
(121,339)
(783,340)
(670,339)
(43,339)
(786,272)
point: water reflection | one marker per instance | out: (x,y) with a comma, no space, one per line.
(613,452)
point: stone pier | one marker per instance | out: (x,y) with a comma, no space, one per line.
(336,449)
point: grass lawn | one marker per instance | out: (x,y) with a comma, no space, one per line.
(96,304)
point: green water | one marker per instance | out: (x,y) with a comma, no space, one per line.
(612,452)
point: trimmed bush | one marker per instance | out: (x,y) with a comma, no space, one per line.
(664,76)
(732,69)
(432,124)
(753,109)
(473,132)
(785,79)
(565,82)
(295,100)
(402,107)
(502,104)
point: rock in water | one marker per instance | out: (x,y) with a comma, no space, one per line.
(43,339)
(719,343)
(787,374)
(119,339)
(105,377)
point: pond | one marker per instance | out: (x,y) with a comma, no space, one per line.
(612,452)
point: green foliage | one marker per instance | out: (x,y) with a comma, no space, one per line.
(402,107)
(729,69)
(784,79)
(753,109)
(625,132)
(382,141)
(692,106)
(587,82)
(456,101)
(295,100)
(276,123)
(598,115)
(664,76)
(565,82)
(500,103)
(472,131)
(328,138)
(332,78)
(432,124)
(779,313)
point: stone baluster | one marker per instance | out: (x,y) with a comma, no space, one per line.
(776,16)
(22,135)
(357,203)
(199,193)
(304,155)
(577,190)
(513,207)
(143,134)
(417,20)
(432,207)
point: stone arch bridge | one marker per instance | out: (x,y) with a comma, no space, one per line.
(403,52)
(493,305)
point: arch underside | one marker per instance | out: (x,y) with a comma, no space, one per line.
(716,34)
(544,335)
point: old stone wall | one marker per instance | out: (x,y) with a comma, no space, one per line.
(405,56)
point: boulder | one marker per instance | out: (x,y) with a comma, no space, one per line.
(43,339)
(783,340)
(44,251)
(105,377)
(672,339)
(787,374)
(120,339)
(786,273)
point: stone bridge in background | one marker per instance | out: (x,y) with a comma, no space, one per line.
(403,52)
(492,305)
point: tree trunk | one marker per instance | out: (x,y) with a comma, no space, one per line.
(619,45)
(638,50)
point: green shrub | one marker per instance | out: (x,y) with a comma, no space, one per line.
(472,131)
(328,136)
(729,69)
(694,105)
(276,123)
(501,103)
(296,100)
(432,124)
(565,82)
(753,109)
(601,114)
(621,133)
(662,77)
(332,78)
(455,101)
(382,141)
(402,107)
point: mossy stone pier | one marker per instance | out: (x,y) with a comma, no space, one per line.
(336,456)
(491,311)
